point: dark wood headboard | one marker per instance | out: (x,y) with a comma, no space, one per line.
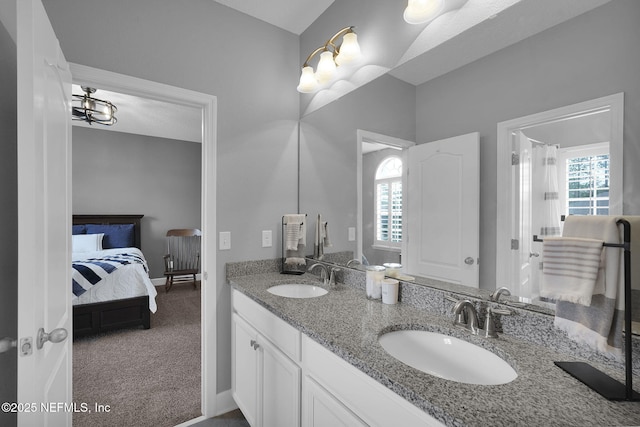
(112,219)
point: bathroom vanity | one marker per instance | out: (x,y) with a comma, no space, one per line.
(317,361)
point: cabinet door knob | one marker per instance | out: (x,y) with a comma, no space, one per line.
(254,344)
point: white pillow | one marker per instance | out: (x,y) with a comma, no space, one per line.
(86,242)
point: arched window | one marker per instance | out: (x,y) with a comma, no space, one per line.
(388,203)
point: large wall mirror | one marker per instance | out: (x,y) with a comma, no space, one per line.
(338,162)
(534,88)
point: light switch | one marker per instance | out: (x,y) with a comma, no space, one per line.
(225,240)
(352,234)
(266,239)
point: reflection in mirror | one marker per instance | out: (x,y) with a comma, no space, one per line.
(329,155)
(567,161)
(535,74)
(380,223)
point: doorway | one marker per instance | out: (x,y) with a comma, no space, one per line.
(115,82)
(600,118)
(370,142)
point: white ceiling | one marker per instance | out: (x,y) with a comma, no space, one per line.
(142,116)
(481,27)
(294,16)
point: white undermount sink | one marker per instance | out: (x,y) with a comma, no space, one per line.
(447,357)
(297,290)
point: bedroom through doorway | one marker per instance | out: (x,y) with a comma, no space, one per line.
(160,173)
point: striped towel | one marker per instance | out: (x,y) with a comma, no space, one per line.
(570,268)
(295,231)
(599,324)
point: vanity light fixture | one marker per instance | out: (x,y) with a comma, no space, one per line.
(423,11)
(331,56)
(92,110)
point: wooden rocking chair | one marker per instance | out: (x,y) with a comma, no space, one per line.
(182,261)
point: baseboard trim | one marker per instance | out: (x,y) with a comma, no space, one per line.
(160,281)
(225,402)
(192,422)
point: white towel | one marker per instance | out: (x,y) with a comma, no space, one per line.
(570,268)
(295,261)
(599,324)
(295,231)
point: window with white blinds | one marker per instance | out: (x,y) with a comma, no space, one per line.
(586,175)
(388,203)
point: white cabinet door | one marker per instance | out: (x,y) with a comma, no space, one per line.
(265,383)
(244,369)
(280,388)
(321,409)
(443,219)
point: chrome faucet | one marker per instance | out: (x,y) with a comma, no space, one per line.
(466,316)
(495,296)
(327,276)
(353,262)
(332,276)
(489,329)
(324,275)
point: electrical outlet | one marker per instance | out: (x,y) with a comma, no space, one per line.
(267,239)
(352,234)
(225,240)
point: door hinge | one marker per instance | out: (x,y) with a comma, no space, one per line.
(515,244)
(515,159)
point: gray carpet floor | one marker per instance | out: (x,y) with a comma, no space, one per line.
(146,377)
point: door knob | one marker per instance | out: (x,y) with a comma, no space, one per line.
(468,260)
(55,336)
(534,254)
(7,344)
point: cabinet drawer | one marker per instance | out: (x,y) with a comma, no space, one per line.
(276,330)
(375,404)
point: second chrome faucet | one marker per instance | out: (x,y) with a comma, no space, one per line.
(327,276)
(466,317)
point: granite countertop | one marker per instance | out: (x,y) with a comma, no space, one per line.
(348,324)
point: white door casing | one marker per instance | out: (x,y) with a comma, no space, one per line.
(443,199)
(44,218)
(378,138)
(507,191)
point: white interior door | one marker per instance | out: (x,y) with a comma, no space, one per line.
(44,224)
(443,199)
(522,252)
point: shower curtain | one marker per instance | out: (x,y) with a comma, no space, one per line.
(545,204)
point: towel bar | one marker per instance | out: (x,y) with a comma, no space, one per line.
(597,380)
(293,267)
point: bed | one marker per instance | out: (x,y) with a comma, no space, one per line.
(122,295)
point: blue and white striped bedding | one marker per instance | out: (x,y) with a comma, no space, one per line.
(92,270)
(111,274)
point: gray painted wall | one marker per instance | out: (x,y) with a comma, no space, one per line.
(121,173)
(590,56)
(252,69)
(9,221)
